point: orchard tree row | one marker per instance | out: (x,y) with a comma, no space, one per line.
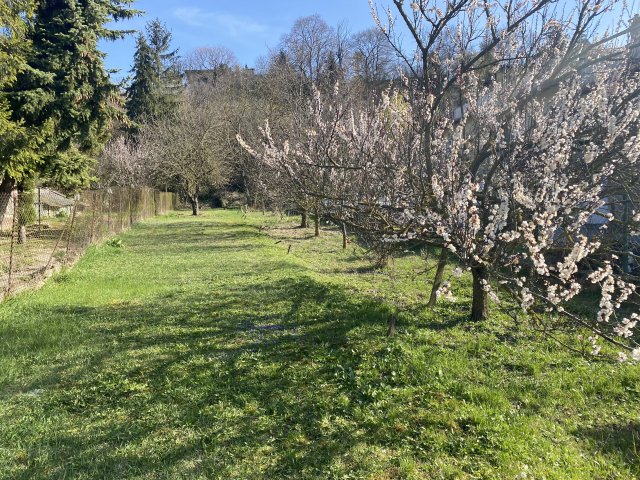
(511,144)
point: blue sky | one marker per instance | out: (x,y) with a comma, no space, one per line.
(249,28)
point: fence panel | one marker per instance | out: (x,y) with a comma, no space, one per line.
(43,229)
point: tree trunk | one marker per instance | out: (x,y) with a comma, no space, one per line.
(626,259)
(6,186)
(22,235)
(304,223)
(437,280)
(344,236)
(247,193)
(480,304)
(195,207)
(316,222)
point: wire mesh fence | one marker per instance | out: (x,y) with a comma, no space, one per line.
(43,229)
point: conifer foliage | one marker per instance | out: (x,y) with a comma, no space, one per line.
(63,95)
(15,151)
(156,80)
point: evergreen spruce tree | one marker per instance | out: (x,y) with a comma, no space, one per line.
(166,64)
(65,93)
(140,94)
(156,84)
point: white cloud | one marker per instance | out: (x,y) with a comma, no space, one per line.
(235,25)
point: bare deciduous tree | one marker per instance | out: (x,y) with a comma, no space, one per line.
(209,58)
(373,57)
(186,151)
(309,45)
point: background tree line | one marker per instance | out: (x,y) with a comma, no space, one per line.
(184,112)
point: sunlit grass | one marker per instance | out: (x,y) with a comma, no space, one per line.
(202,349)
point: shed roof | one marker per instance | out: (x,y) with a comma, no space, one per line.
(53,198)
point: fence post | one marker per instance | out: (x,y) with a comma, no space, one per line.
(120,209)
(130,194)
(109,192)
(156,194)
(120,212)
(73,221)
(14,198)
(102,198)
(93,216)
(39,209)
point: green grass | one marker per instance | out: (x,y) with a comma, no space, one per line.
(201,349)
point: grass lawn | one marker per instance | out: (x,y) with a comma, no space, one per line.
(202,349)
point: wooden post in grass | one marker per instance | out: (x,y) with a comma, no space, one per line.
(391,324)
(130,195)
(93,215)
(120,212)
(39,209)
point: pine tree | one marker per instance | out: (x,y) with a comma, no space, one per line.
(156,81)
(65,94)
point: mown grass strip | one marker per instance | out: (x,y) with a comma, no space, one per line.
(201,349)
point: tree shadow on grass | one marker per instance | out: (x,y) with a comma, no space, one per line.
(253,379)
(620,440)
(207,382)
